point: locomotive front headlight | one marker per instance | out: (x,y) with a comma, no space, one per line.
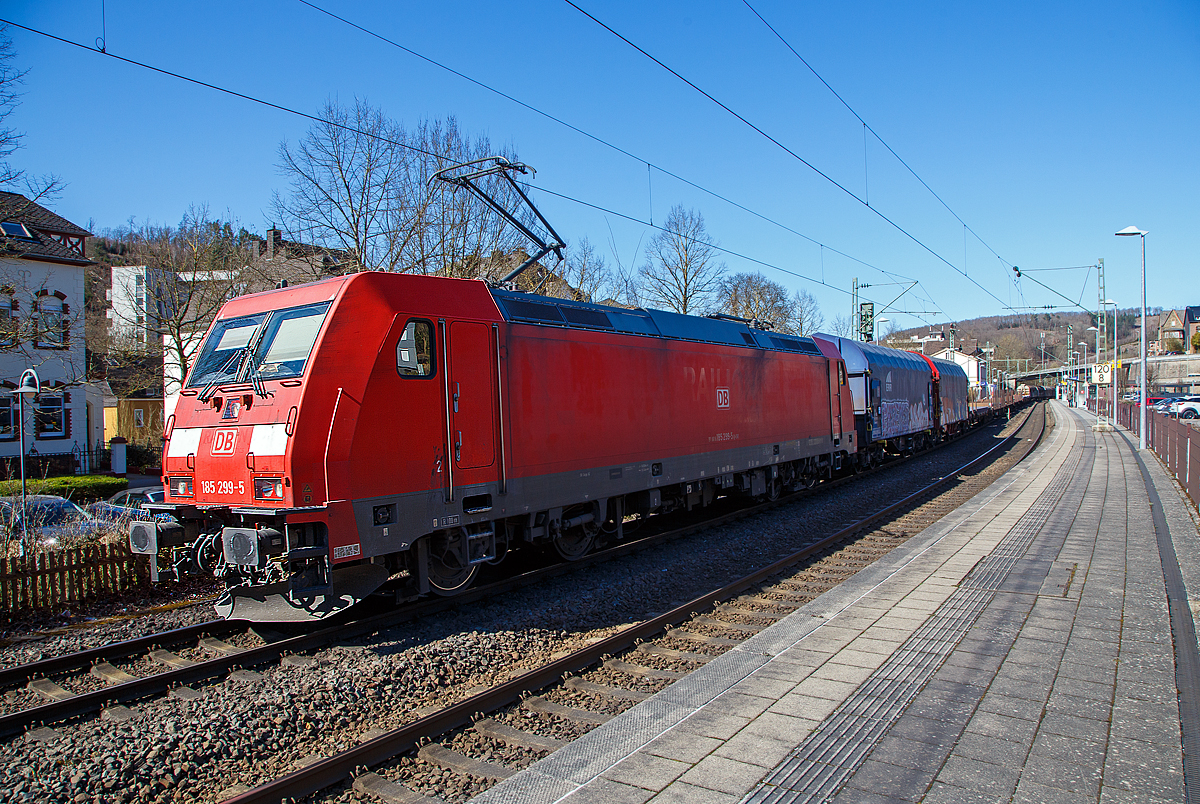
(181,486)
(268,488)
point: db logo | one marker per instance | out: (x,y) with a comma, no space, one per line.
(722,397)
(223,441)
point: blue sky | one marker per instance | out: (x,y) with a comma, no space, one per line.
(1045,126)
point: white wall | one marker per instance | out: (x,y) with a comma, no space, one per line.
(26,277)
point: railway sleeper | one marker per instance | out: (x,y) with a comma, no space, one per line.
(738,608)
(770,601)
(506,734)
(716,641)
(671,653)
(48,689)
(569,713)
(389,792)
(643,671)
(715,623)
(605,691)
(110,674)
(461,763)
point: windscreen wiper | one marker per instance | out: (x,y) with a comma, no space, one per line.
(207,393)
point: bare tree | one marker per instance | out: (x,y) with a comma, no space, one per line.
(625,287)
(842,326)
(10,79)
(36,188)
(359,184)
(178,278)
(682,271)
(806,313)
(584,271)
(754,297)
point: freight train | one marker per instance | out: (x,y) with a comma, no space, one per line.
(396,432)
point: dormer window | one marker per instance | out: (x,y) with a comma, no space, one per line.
(14,229)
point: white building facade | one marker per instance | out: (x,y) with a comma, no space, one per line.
(42,267)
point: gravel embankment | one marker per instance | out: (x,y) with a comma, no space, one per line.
(248,732)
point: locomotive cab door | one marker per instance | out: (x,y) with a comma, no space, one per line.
(472,396)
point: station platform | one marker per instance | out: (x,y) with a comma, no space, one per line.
(1036,645)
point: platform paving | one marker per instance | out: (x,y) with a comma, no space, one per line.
(1019,650)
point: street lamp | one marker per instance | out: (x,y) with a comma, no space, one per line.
(29,386)
(1130,231)
(1074,375)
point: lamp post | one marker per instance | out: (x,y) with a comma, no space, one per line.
(1074,375)
(1112,375)
(29,385)
(1130,231)
(1096,359)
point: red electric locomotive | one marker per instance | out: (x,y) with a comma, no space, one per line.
(382,428)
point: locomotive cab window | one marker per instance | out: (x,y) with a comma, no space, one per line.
(272,345)
(414,351)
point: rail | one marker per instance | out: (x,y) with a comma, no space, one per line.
(330,771)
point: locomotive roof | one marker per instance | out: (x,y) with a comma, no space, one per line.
(527,308)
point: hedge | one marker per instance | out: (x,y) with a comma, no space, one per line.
(82,489)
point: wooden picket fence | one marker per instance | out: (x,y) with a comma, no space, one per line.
(60,578)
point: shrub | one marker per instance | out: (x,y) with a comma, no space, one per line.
(82,489)
(138,455)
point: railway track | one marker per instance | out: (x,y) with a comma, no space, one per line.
(527,715)
(63,688)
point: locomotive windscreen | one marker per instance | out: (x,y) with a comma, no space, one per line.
(271,345)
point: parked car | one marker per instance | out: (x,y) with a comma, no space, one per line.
(128,505)
(1189,409)
(51,519)
(1171,406)
(1164,405)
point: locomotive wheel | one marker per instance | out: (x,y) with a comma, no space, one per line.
(809,478)
(574,544)
(448,575)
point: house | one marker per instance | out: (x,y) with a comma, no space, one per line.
(974,364)
(42,264)
(1171,328)
(1181,325)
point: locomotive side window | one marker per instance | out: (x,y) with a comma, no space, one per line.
(414,352)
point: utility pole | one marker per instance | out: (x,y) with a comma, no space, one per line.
(1103,322)
(854,312)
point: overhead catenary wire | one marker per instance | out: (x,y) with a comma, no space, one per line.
(786,149)
(354,130)
(595,138)
(874,133)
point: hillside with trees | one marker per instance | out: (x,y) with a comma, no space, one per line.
(1021,337)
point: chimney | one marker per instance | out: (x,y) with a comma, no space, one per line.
(274,242)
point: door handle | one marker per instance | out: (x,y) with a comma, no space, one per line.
(458,447)
(456,391)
